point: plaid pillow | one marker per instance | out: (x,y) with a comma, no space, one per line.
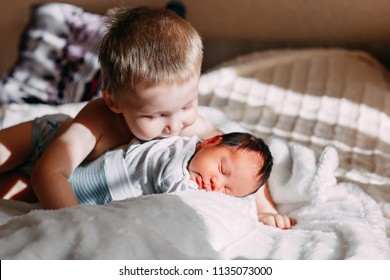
(58,57)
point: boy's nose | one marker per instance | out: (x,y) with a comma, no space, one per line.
(172,126)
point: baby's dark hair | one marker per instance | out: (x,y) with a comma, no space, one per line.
(248,142)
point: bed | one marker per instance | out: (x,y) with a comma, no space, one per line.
(325,113)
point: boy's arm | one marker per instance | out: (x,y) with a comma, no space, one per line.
(50,175)
(75,143)
(266,210)
(202,128)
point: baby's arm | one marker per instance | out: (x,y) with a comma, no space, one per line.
(202,128)
(267,213)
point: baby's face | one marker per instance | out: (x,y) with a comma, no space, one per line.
(221,169)
(162,110)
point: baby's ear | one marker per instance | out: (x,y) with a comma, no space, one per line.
(212,141)
(112,102)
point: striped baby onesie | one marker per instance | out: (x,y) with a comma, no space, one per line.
(89,183)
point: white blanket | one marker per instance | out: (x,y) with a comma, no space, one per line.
(335,221)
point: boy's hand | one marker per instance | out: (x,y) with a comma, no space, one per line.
(276,220)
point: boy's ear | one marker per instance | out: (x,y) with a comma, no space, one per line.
(111,102)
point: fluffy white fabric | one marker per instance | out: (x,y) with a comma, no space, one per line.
(335,220)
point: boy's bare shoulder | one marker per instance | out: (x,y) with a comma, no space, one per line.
(98,118)
(93,109)
(106,126)
(97,114)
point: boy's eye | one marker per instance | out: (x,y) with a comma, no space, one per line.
(187,107)
(156,116)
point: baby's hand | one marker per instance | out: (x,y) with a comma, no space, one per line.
(276,220)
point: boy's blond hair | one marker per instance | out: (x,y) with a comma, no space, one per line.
(145,46)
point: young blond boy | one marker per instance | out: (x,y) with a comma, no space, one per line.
(150,67)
